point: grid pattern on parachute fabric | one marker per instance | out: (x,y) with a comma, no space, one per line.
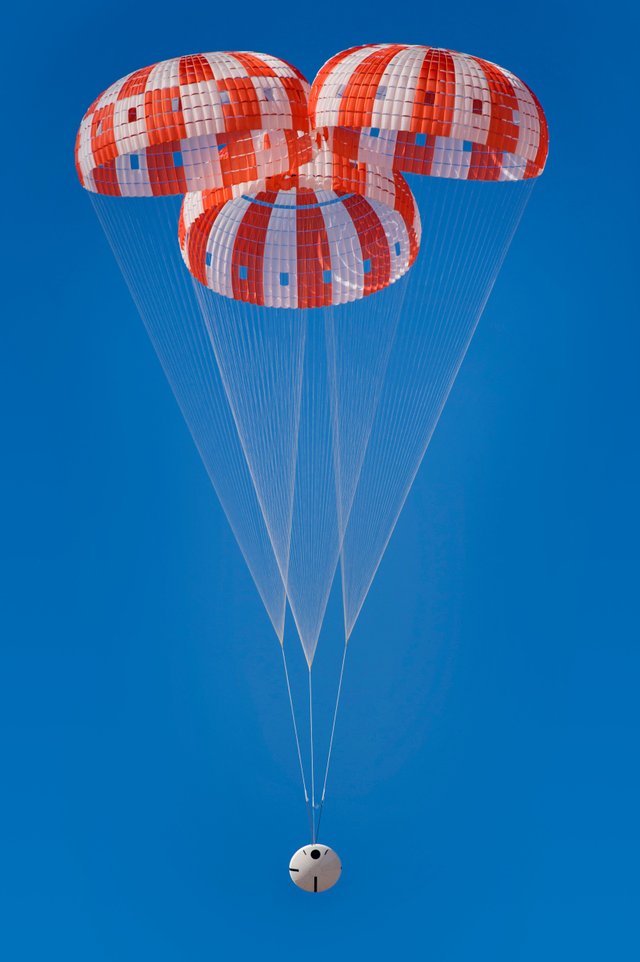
(194,122)
(299,248)
(429,111)
(326,171)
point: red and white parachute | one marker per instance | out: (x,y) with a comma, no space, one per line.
(196,122)
(300,247)
(311,268)
(429,111)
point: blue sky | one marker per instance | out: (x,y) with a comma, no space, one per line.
(485,789)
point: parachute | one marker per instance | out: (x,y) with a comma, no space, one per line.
(298,248)
(428,111)
(191,123)
(310,262)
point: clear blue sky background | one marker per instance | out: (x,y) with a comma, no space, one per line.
(485,795)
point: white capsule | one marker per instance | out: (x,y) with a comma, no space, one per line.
(315,868)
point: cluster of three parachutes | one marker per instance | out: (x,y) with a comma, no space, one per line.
(312,422)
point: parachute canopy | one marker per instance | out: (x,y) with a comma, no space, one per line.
(429,111)
(195,122)
(300,248)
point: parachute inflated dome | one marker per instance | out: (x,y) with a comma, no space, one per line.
(430,111)
(196,122)
(298,247)
(311,262)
